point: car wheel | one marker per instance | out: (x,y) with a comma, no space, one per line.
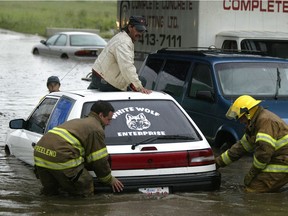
(224,142)
(225,146)
(64,56)
(35,51)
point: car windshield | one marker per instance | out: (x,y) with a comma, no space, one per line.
(257,79)
(135,121)
(87,40)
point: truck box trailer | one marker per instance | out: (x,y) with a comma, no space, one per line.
(260,25)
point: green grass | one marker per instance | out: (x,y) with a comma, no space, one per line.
(34,17)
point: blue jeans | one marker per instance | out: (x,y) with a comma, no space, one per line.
(100,84)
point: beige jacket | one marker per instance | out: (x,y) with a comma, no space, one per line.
(116,63)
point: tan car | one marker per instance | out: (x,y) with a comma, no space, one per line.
(74,45)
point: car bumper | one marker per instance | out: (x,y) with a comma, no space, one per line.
(177,183)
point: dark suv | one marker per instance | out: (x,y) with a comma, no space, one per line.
(206,82)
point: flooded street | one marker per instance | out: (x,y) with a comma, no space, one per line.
(23,83)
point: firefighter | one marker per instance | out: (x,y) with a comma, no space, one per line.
(266,136)
(64,154)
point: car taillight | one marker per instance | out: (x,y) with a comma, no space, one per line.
(149,148)
(149,160)
(201,157)
(83,53)
(153,160)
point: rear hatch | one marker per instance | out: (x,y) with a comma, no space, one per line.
(155,143)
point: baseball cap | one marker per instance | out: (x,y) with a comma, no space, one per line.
(139,22)
(52,79)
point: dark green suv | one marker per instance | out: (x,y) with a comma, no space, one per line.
(206,82)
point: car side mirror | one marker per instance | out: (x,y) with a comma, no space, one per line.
(205,95)
(43,42)
(17,124)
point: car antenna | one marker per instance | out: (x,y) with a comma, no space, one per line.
(69,71)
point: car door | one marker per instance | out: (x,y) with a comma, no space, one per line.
(59,46)
(46,48)
(23,140)
(199,100)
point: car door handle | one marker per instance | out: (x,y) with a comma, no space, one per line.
(33,144)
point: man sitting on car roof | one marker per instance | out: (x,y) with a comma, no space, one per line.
(114,68)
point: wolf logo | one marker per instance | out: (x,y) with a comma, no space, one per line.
(138,122)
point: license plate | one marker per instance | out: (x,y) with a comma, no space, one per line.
(155,190)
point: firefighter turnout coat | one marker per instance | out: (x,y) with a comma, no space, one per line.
(76,144)
(267,137)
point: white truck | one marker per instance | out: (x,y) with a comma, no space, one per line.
(260,25)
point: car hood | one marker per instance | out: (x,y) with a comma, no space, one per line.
(278,107)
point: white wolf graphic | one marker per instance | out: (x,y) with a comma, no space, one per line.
(138,122)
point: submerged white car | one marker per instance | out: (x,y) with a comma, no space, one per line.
(153,144)
(75,45)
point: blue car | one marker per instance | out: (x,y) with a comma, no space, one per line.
(206,83)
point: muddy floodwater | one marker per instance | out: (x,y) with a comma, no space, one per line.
(23,83)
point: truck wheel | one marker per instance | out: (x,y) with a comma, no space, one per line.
(224,142)
(225,146)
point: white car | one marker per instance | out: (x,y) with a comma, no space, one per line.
(153,144)
(75,45)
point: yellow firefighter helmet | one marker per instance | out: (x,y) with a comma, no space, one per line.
(242,105)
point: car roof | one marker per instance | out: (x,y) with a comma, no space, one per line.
(217,55)
(76,33)
(267,35)
(92,95)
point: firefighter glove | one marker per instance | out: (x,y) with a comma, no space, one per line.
(219,162)
(251,175)
(248,178)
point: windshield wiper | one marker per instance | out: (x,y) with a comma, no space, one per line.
(151,139)
(278,84)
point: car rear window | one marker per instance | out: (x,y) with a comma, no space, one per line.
(137,120)
(87,40)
